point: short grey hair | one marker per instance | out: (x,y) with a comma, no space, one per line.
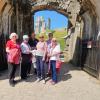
(25,37)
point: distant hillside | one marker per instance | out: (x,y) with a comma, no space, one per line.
(59,35)
(61,29)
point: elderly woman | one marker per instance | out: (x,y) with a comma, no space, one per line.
(40,58)
(50,36)
(26,57)
(13,55)
(54,56)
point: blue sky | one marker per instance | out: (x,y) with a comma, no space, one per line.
(57,20)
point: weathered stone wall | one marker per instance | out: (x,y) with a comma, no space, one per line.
(12,19)
(96,3)
(69,8)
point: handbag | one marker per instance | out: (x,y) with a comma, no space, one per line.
(58,66)
(14,56)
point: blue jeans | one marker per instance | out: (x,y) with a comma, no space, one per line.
(53,70)
(40,67)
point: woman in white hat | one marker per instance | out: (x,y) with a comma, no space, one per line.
(26,57)
(13,56)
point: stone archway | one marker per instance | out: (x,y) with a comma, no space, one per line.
(64,7)
(84,25)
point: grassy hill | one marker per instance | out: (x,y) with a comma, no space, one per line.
(59,34)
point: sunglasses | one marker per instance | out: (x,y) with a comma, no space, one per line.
(41,37)
(15,36)
(54,41)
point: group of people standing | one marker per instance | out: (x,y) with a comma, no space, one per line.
(33,53)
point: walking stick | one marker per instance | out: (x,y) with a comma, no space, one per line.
(20,68)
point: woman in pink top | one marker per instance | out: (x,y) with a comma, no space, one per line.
(13,53)
(40,58)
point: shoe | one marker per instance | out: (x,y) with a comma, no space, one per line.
(53,83)
(15,82)
(38,80)
(23,79)
(48,75)
(12,84)
(43,81)
(35,71)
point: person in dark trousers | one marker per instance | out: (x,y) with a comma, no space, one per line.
(50,36)
(26,57)
(33,42)
(13,57)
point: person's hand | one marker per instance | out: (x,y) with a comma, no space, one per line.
(49,55)
(61,52)
(43,59)
(29,52)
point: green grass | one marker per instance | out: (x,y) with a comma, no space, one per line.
(59,34)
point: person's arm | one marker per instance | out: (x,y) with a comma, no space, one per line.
(7,49)
(57,51)
(45,52)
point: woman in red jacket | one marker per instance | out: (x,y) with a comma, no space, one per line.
(13,56)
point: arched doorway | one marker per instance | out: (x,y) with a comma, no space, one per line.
(81,42)
(82,31)
(46,21)
(82,26)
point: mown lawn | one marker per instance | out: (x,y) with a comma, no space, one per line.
(59,34)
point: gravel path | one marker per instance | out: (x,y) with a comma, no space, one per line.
(73,84)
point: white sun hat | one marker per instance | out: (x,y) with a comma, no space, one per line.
(12,35)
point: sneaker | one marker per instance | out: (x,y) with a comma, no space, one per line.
(53,83)
(38,80)
(35,71)
(15,82)
(12,84)
(48,75)
(24,78)
(43,81)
